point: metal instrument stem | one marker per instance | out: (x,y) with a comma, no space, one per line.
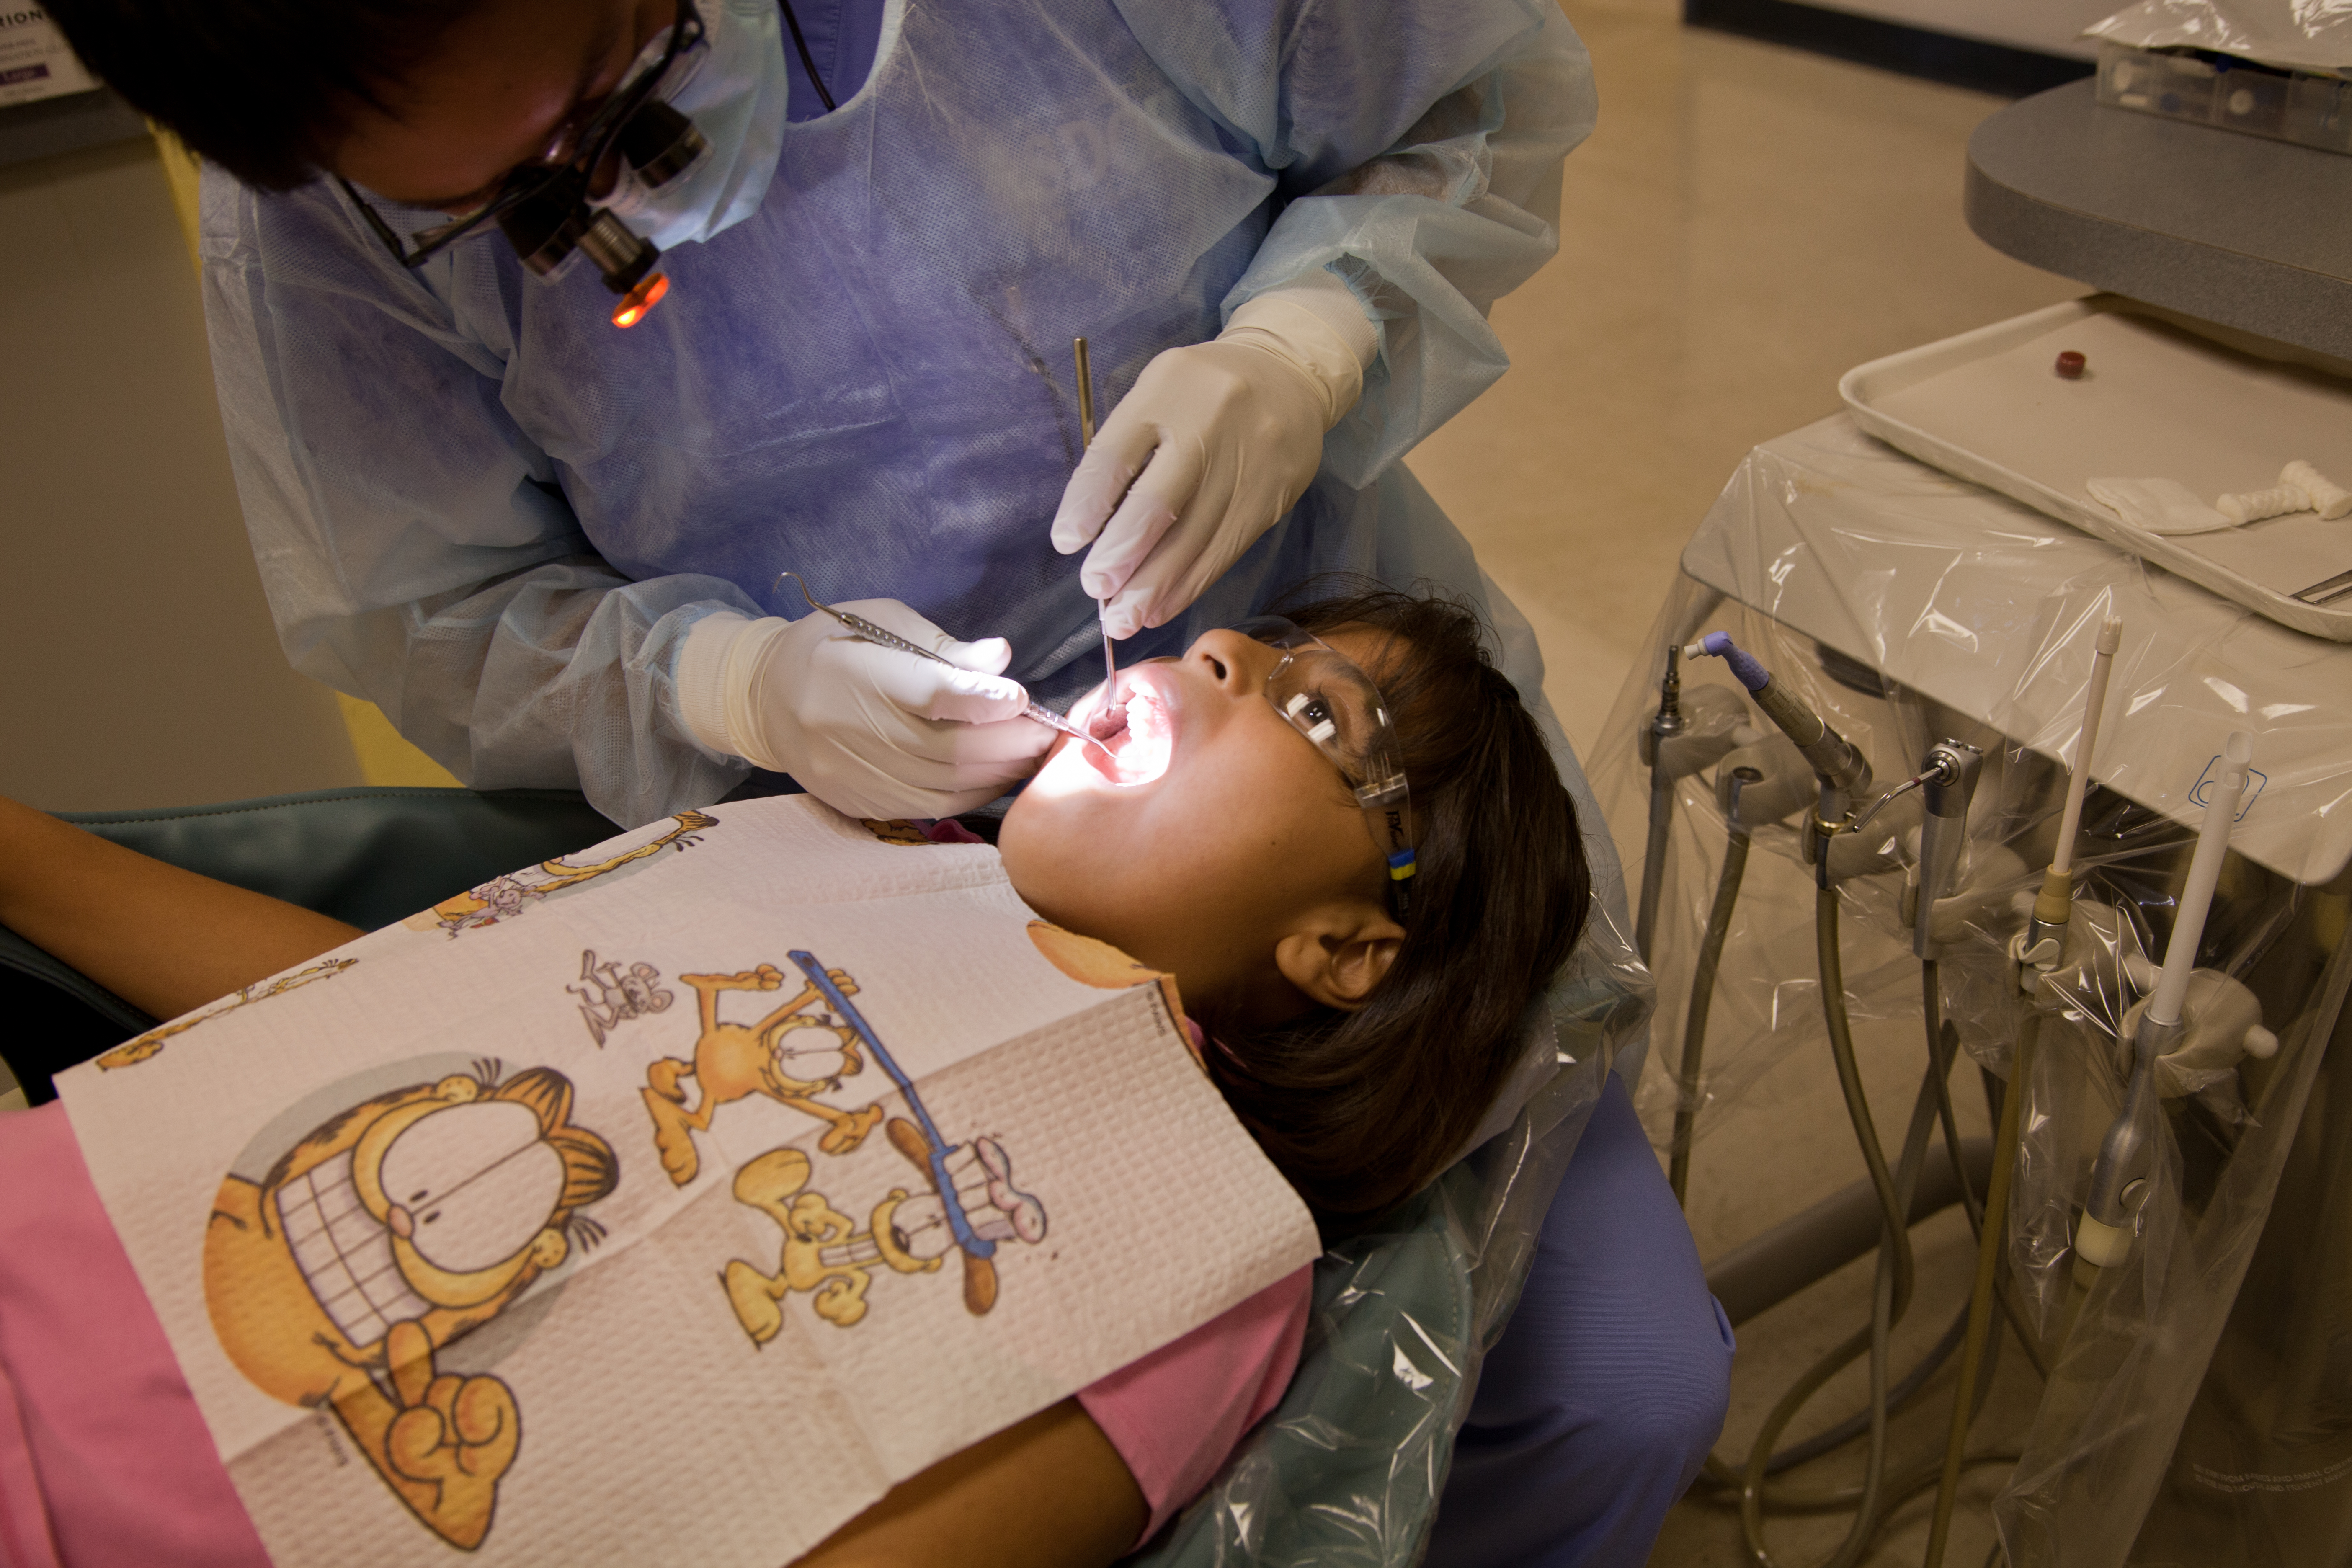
(889,638)
(1087,438)
(2326,589)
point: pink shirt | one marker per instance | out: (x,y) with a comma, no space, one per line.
(1175,1415)
(105,1461)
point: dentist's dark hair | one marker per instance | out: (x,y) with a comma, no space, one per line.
(1360,1108)
(266,88)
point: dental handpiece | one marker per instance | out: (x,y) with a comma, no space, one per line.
(889,638)
(1950,774)
(1844,771)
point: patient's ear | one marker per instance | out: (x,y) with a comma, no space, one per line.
(1337,954)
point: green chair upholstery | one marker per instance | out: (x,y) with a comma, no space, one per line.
(371,857)
(367,855)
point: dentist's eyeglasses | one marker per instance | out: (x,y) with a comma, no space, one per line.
(1326,698)
(543,209)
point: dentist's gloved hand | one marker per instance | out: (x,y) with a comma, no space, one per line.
(1214,444)
(870,730)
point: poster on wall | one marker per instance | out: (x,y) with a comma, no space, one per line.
(34,62)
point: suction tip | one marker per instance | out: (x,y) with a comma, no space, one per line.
(2111,635)
(2100,1245)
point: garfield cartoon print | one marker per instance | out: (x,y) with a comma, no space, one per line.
(789,1055)
(1090,961)
(394,1226)
(504,897)
(130,1053)
(827,1254)
(610,995)
(970,1207)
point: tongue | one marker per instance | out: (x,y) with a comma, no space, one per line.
(1141,745)
(1108,721)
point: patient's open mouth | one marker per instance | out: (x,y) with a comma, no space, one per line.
(1138,737)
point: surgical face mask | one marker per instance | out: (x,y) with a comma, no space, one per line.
(695,134)
(733,87)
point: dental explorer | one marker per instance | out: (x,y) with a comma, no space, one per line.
(888,638)
(1086,440)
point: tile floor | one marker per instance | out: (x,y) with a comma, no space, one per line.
(1746,224)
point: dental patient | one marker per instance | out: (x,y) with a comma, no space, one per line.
(1343,834)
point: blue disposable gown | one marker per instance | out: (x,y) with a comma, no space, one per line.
(478,505)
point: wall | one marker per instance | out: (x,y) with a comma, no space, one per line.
(2049,25)
(143,670)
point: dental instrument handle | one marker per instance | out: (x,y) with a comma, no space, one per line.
(2095,703)
(2204,870)
(889,638)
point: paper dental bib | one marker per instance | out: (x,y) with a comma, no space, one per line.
(670,1201)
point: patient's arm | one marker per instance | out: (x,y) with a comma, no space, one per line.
(1050,1492)
(160,938)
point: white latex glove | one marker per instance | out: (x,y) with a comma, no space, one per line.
(870,730)
(1216,442)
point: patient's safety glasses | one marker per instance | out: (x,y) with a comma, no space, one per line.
(1322,694)
(543,207)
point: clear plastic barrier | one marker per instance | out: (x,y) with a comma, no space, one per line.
(1905,607)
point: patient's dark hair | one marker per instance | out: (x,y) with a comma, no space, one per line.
(1360,1108)
(265,88)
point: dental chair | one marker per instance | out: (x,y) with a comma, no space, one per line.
(1345,1473)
